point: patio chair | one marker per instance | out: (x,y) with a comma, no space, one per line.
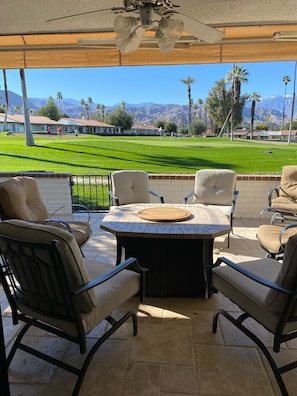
(282,200)
(20,199)
(51,286)
(216,188)
(274,237)
(266,291)
(130,186)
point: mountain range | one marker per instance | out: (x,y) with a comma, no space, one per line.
(269,109)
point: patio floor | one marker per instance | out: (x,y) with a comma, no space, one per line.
(175,352)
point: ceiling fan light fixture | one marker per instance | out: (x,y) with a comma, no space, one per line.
(131,43)
(125,26)
(168,33)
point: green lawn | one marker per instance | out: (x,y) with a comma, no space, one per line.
(101,155)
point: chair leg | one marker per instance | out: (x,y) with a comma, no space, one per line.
(277,371)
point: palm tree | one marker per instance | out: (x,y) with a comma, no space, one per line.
(253,97)
(237,75)
(6,100)
(28,128)
(60,98)
(189,81)
(286,80)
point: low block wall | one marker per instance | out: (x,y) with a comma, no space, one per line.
(253,191)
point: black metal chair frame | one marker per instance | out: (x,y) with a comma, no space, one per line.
(279,337)
(11,250)
(277,214)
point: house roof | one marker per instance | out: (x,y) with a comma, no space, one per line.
(94,123)
(39,34)
(146,127)
(33,119)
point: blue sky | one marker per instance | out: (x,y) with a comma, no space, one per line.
(156,84)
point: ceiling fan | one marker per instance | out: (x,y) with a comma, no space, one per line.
(161,16)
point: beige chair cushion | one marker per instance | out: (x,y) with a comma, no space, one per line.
(289,182)
(248,294)
(285,277)
(287,200)
(131,186)
(268,236)
(214,187)
(76,270)
(26,203)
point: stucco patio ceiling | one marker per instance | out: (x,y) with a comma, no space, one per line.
(29,39)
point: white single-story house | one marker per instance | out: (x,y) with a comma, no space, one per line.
(142,130)
(39,124)
(88,126)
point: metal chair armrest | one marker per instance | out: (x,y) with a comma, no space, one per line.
(283,231)
(80,206)
(114,198)
(270,193)
(188,196)
(157,195)
(234,199)
(130,262)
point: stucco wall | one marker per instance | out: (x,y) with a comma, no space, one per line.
(253,190)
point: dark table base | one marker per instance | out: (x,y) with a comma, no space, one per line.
(175,265)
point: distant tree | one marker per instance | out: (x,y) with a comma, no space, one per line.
(50,110)
(90,102)
(253,97)
(170,126)
(183,130)
(121,118)
(28,127)
(261,126)
(236,76)
(159,123)
(286,80)
(198,127)
(60,98)
(6,100)
(294,125)
(189,81)
(218,104)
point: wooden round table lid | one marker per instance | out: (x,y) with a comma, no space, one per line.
(164,214)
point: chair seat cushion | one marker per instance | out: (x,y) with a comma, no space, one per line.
(268,236)
(284,204)
(249,295)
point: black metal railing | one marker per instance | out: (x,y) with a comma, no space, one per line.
(91,191)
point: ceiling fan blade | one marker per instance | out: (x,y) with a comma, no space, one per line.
(200,30)
(115,9)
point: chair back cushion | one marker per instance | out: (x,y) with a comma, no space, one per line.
(288,187)
(20,199)
(73,260)
(214,186)
(131,186)
(286,277)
